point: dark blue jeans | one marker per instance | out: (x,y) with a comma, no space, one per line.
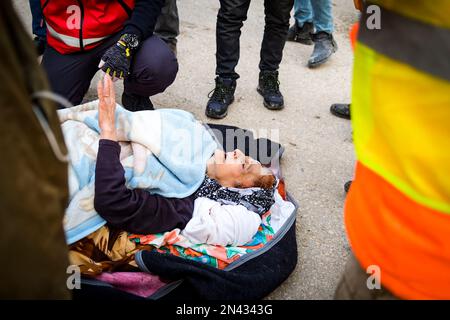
(153,69)
(37,24)
(316,11)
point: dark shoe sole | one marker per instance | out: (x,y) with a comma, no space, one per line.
(221,116)
(338,114)
(268,106)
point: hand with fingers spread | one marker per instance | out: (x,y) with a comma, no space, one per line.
(117,60)
(106,108)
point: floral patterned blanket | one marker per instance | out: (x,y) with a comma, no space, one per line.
(173,242)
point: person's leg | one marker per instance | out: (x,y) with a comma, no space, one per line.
(275,32)
(353,284)
(303,26)
(324,44)
(168,24)
(70,75)
(154,68)
(303,11)
(232,14)
(277,24)
(322,15)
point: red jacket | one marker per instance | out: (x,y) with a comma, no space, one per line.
(77,25)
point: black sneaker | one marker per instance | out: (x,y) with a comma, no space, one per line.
(324,47)
(133,102)
(220,98)
(341,110)
(40,44)
(301,34)
(269,88)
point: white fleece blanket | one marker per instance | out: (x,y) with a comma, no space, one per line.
(163,151)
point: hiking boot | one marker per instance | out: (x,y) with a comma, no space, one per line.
(341,110)
(269,88)
(220,98)
(134,102)
(324,47)
(301,34)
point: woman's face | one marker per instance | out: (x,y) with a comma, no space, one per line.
(233,169)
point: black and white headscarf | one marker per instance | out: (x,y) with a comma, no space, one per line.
(258,200)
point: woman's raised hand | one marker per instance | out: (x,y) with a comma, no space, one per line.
(106,108)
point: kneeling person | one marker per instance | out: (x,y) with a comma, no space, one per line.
(116,36)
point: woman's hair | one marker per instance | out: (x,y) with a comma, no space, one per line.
(266,180)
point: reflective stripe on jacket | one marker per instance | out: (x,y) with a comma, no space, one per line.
(77,25)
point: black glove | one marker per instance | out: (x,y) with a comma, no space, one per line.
(117,59)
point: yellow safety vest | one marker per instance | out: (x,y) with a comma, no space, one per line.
(397,212)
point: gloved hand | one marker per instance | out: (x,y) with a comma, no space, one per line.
(117,59)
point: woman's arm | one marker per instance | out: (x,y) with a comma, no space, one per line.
(107,108)
(136,210)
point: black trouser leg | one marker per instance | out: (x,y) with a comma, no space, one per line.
(154,68)
(232,14)
(70,74)
(277,25)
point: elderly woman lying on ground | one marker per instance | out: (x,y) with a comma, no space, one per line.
(230,178)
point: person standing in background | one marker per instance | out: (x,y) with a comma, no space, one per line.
(230,19)
(314,25)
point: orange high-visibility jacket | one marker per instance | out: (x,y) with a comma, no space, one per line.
(397,212)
